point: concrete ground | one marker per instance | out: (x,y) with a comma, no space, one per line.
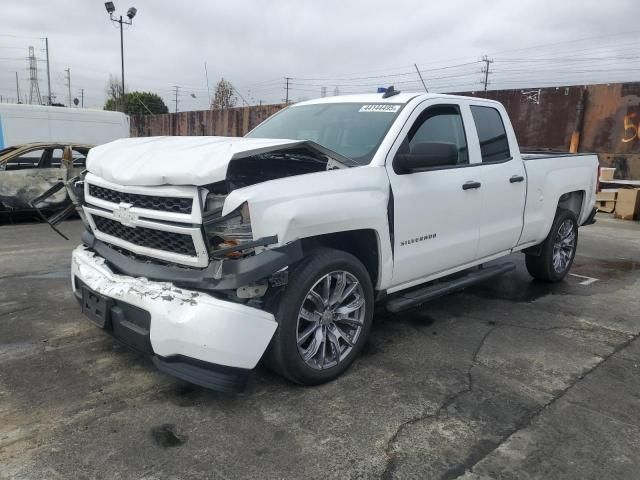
(512,379)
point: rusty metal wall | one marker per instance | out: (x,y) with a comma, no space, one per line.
(232,122)
(542,118)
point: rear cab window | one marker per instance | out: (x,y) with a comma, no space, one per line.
(494,144)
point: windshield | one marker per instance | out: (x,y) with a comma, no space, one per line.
(354,130)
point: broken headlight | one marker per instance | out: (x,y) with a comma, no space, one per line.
(230,232)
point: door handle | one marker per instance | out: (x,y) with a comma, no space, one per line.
(516,179)
(470,185)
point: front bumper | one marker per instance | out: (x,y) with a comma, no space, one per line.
(220,275)
(189,332)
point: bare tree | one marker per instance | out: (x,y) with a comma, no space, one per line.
(224,96)
(113,89)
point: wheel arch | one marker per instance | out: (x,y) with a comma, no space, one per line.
(573,201)
(364,244)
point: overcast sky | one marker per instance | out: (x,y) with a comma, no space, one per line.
(345,45)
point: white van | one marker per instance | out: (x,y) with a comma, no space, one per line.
(21,124)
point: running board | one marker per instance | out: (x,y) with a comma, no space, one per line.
(415,297)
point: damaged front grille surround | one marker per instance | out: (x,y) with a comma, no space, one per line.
(171,236)
(190,240)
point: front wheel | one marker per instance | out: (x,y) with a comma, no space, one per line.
(558,250)
(324,316)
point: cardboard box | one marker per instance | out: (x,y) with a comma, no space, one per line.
(606,200)
(606,207)
(607,195)
(628,203)
(606,173)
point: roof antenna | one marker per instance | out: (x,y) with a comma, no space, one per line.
(421,79)
(390,92)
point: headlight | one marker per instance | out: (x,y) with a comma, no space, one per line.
(230,231)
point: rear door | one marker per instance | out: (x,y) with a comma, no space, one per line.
(436,220)
(503,178)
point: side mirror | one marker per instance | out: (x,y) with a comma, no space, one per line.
(426,155)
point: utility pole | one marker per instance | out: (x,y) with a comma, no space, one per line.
(486,70)
(17,88)
(286,99)
(206,76)
(82,97)
(176,89)
(46,47)
(421,79)
(323,92)
(122,60)
(67,79)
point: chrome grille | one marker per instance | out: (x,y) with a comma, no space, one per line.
(150,202)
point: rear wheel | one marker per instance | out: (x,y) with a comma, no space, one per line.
(557,251)
(324,318)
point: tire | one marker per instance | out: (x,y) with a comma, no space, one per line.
(557,251)
(303,327)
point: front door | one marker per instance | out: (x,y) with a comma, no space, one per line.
(436,216)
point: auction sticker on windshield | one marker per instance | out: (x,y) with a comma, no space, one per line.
(382,108)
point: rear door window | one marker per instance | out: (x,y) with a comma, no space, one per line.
(494,144)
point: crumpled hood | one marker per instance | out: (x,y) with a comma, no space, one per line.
(148,161)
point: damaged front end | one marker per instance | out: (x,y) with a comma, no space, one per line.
(179,234)
(167,270)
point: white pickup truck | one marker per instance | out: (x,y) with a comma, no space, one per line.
(212,253)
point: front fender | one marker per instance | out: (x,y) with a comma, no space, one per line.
(321,203)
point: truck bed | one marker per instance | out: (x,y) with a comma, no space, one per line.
(552,175)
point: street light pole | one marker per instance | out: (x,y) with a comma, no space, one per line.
(130,14)
(122,57)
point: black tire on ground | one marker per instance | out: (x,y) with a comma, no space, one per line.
(542,267)
(283,355)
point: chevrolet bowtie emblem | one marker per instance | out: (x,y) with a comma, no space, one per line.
(125,216)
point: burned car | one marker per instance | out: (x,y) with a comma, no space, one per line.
(28,171)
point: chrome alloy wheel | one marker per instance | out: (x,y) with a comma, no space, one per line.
(564,246)
(330,319)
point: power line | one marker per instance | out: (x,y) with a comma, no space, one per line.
(568,41)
